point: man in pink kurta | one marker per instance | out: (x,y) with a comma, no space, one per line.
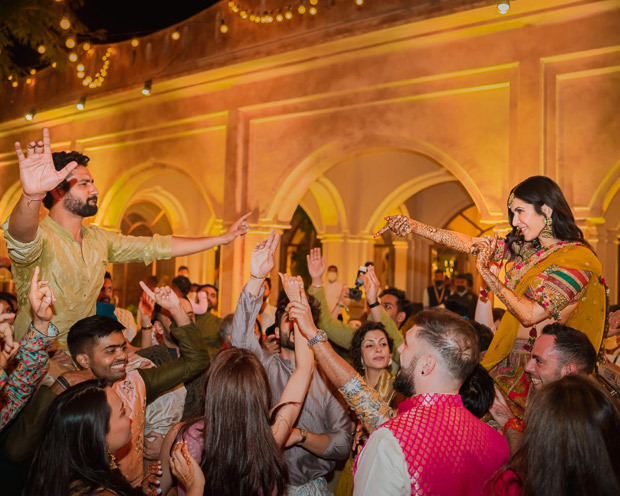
(433,445)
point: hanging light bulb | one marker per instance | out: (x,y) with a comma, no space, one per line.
(73,57)
(86,46)
(301,9)
(359,2)
(41,49)
(15,84)
(135,42)
(312,10)
(30,115)
(314,2)
(288,15)
(80,67)
(175,35)
(279,17)
(33,72)
(503,7)
(223,27)
(65,23)
(29,80)
(147,88)
(70,42)
(81,105)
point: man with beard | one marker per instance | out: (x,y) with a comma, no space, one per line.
(323,432)
(73,257)
(559,351)
(434,445)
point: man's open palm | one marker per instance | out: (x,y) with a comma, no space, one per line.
(36,170)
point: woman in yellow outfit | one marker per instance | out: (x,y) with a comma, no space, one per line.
(552,275)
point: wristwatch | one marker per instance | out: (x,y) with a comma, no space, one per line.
(304,435)
(321,336)
(373,305)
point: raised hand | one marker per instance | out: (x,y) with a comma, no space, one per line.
(316,265)
(300,313)
(239,228)
(371,284)
(484,251)
(41,298)
(186,469)
(145,309)
(164,296)
(398,224)
(36,170)
(8,347)
(293,286)
(262,256)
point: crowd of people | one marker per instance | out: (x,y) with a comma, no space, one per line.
(317,394)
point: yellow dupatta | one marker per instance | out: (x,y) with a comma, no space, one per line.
(588,316)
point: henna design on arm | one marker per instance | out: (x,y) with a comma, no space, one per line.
(402,226)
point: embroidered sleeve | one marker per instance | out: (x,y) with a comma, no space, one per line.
(31,366)
(557,287)
(366,402)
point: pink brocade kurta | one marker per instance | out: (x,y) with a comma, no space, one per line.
(132,392)
(448,450)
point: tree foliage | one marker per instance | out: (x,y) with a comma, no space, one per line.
(27,24)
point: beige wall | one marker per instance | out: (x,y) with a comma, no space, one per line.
(352,117)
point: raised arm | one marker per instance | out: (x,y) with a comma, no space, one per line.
(32,353)
(337,331)
(527,311)
(402,226)
(250,299)
(188,246)
(38,176)
(361,398)
(194,356)
(296,388)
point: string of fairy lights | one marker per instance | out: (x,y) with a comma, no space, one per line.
(78,52)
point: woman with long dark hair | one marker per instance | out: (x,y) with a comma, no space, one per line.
(570,443)
(85,425)
(552,274)
(237,442)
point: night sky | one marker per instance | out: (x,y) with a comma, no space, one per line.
(124,19)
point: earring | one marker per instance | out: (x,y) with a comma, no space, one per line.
(547,231)
(112,458)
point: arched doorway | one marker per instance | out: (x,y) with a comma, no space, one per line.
(296,243)
(141,219)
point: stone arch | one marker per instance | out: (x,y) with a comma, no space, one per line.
(401,194)
(606,191)
(167,186)
(296,184)
(325,207)
(9,199)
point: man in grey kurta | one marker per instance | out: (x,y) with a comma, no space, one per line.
(323,432)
